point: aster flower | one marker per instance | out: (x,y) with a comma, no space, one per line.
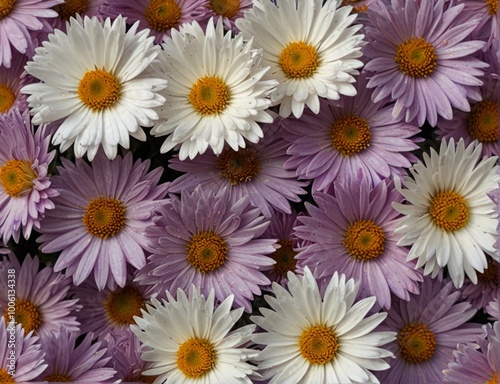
(429,327)
(349,136)
(21,359)
(210,240)
(311,47)
(313,337)
(421,58)
(17,19)
(190,347)
(217,98)
(479,362)
(228,10)
(26,193)
(480,294)
(449,219)
(100,217)
(71,8)
(255,171)
(85,363)
(11,82)
(96,77)
(41,305)
(489,18)
(159,16)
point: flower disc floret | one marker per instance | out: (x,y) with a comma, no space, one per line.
(209,95)
(318,344)
(7,98)
(206,251)
(416,57)
(27,314)
(163,14)
(195,357)
(417,343)
(6,6)
(225,8)
(99,90)
(16,177)
(364,240)
(71,8)
(482,121)
(299,60)
(123,304)
(104,217)
(238,166)
(350,135)
(449,211)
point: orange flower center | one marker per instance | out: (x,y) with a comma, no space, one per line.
(449,211)
(27,314)
(57,378)
(163,14)
(482,121)
(364,240)
(318,344)
(299,60)
(417,343)
(209,95)
(71,8)
(99,90)
(206,251)
(7,98)
(226,8)
(492,7)
(5,7)
(104,217)
(350,134)
(238,166)
(123,304)
(16,177)
(416,57)
(195,357)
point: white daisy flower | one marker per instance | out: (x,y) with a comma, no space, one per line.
(189,342)
(322,338)
(449,218)
(311,47)
(215,91)
(95,80)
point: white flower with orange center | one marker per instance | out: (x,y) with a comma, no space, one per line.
(311,47)
(314,336)
(215,92)
(449,218)
(95,79)
(192,343)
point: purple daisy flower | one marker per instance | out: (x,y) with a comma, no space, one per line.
(255,171)
(429,327)
(160,16)
(480,294)
(421,58)
(85,363)
(100,217)
(347,136)
(17,19)
(352,233)
(11,81)
(110,310)
(41,305)
(21,361)
(479,362)
(488,13)
(209,239)
(71,8)
(26,191)
(228,10)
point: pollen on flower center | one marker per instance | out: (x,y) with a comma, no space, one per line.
(299,60)
(206,251)
(364,240)
(226,8)
(123,304)
(492,7)
(238,166)
(99,89)
(16,177)
(70,8)
(355,8)
(104,217)
(416,57)
(482,121)
(27,314)
(5,377)
(350,134)
(163,14)
(318,344)
(7,98)
(494,379)
(57,378)
(6,6)
(285,258)
(195,357)
(417,343)
(449,211)
(209,95)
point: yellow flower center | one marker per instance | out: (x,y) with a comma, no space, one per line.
(99,90)
(492,7)
(104,217)
(5,377)
(416,343)
(7,98)
(355,8)
(57,378)
(299,60)
(364,240)
(195,357)
(206,251)
(163,14)
(238,166)
(490,274)
(416,57)
(482,121)
(209,95)
(16,177)
(285,258)
(449,211)
(350,134)
(226,8)
(71,8)
(5,7)
(123,304)
(27,314)
(494,379)
(318,344)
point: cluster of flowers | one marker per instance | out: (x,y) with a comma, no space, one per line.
(168,162)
